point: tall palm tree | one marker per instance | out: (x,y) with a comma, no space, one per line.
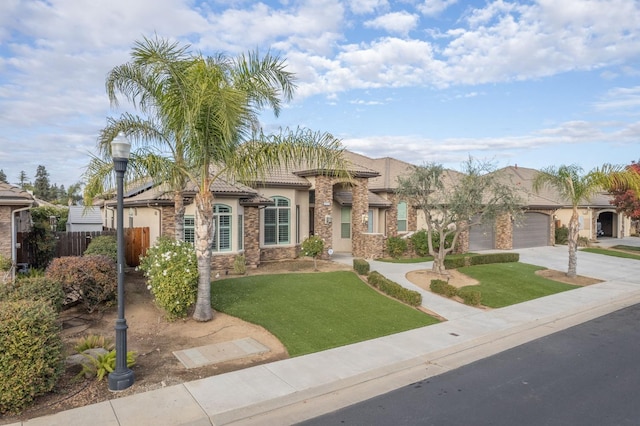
(576,187)
(204,111)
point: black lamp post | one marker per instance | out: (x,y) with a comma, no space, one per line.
(122,377)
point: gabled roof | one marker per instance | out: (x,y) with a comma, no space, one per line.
(14,196)
(84,215)
(345,198)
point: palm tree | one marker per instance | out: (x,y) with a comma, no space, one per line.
(576,187)
(207,108)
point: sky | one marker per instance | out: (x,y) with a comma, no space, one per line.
(528,83)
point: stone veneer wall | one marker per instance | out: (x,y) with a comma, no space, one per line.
(324,195)
(504,232)
(168,221)
(463,240)
(359,209)
(392,216)
(374,245)
(279,253)
(252,236)
(222,263)
(412,218)
(5,231)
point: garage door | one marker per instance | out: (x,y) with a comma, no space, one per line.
(482,237)
(533,231)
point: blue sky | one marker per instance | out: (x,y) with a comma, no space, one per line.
(533,83)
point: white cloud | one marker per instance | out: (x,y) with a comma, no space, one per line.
(435,7)
(395,22)
(367,6)
(621,98)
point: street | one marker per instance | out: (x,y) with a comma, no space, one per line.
(585,375)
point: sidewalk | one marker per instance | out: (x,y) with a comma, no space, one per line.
(289,391)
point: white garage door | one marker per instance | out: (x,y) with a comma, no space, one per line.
(481,237)
(533,231)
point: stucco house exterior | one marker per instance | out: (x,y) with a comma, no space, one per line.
(268,220)
(14,217)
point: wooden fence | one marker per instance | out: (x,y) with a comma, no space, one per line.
(75,244)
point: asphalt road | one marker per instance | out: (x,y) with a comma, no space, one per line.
(585,375)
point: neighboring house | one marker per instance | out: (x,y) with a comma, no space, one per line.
(269,219)
(14,217)
(84,219)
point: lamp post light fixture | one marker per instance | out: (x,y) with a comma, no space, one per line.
(122,377)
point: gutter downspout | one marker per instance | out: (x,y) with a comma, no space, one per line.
(14,238)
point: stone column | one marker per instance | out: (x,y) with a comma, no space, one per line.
(252,236)
(504,232)
(168,221)
(359,209)
(392,216)
(324,202)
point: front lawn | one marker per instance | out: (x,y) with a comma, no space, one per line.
(315,311)
(615,253)
(504,284)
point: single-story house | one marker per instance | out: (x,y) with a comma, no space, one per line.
(269,219)
(14,217)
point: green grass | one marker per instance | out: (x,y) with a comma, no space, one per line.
(613,253)
(504,284)
(315,311)
(625,247)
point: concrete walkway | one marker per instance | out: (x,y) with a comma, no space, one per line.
(289,391)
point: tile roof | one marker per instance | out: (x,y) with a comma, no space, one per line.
(13,195)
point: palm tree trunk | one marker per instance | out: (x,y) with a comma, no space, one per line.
(204,240)
(573,244)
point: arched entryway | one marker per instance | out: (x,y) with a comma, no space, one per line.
(606,224)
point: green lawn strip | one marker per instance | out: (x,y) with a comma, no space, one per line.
(504,284)
(627,248)
(315,311)
(613,253)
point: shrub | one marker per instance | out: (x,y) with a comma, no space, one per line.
(394,289)
(172,271)
(30,352)
(455,262)
(5,263)
(483,259)
(106,245)
(101,365)
(442,287)
(562,235)
(396,246)
(420,244)
(93,341)
(240,264)
(313,247)
(92,279)
(361,266)
(37,288)
(583,242)
(470,297)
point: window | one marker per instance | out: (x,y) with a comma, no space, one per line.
(240,232)
(345,222)
(222,222)
(276,222)
(402,216)
(370,221)
(190,229)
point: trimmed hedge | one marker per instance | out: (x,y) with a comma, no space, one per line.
(30,352)
(361,266)
(106,245)
(443,287)
(470,297)
(480,259)
(35,288)
(396,247)
(393,289)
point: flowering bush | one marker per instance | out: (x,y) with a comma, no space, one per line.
(313,247)
(172,272)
